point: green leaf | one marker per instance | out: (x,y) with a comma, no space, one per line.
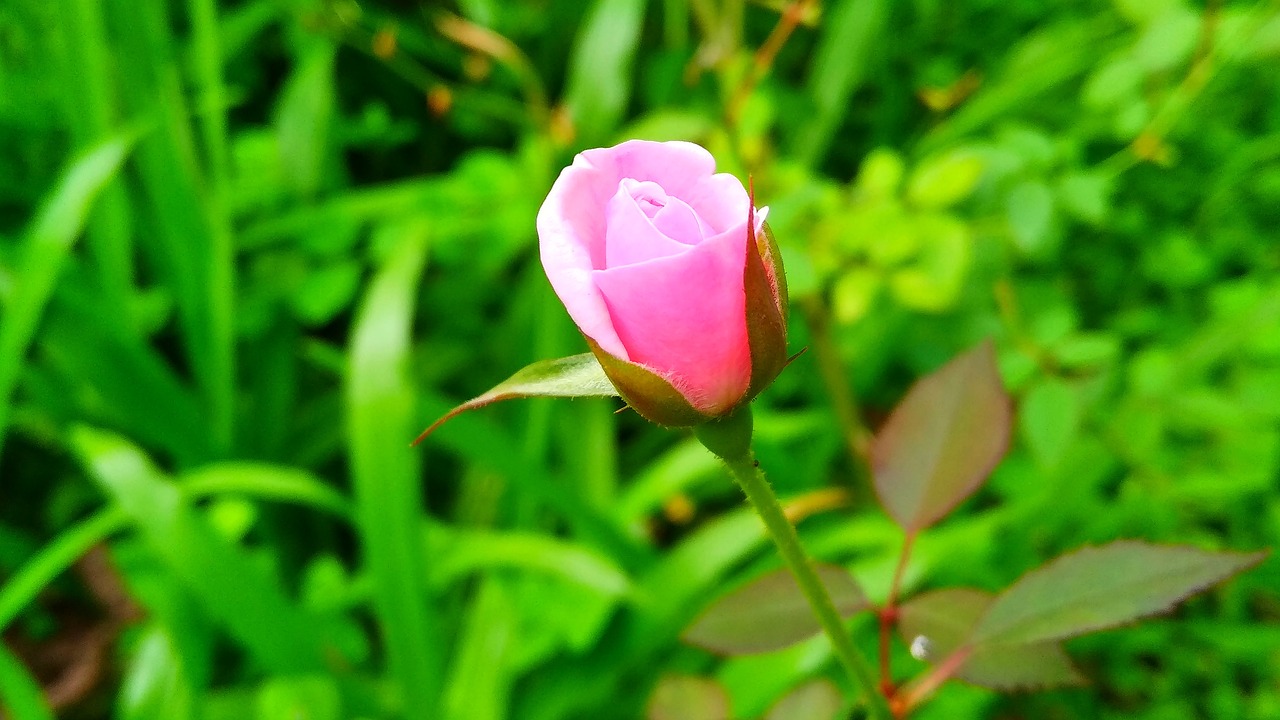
(1142,12)
(1049,418)
(881,173)
(21,589)
(48,241)
(156,686)
(687,697)
(945,180)
(266,481)
(771,612)
(326,291)
(1101,587)
(600,73)
(485,656)
(1030,210)
(1086,351)
(573,376)
(934,282)
(20,694)
(459,552)
(937,624)
(387,475)
(1169,40)
(303,118)
(1086,195)
(854,293)
(942,440)
(306,697)
(817,700)
(1113,83)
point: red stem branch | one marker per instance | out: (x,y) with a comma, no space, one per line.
(889,616)
(921,691)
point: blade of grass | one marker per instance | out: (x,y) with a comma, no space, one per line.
(464,551)
(231,587)
(156,686)
(268,482)
(600,71)
(207,50)
(207,53)
(186,245)
(53,559)
(20,694)
(840,62)
(45,248)
(484,443)
(116,379)
(386,473)
(1041,62)
(480,679)
(92,113)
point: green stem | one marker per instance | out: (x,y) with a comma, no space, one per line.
(762,498)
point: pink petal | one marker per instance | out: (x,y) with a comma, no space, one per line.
(631,236)
(571,223)
(720,200)
(684,317)
(571,232)
(676,166)
(679,222)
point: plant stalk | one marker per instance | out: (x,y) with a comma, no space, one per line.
(762,498)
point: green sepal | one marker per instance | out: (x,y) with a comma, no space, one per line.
(648,393)
(573,376)
(766,307)
(772,256)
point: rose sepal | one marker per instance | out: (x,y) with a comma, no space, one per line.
(765,285)
(652,396)
(571,377)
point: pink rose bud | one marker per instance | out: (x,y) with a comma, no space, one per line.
(671,275)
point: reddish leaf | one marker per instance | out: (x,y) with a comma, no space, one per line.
(1101,587)
(770,613)
(817,700)
(936,624)
(942,440)
(688,697)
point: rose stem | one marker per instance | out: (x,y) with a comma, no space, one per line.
(762,498)
(889,615)
(918,693)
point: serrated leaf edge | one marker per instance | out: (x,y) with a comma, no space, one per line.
(1249,561)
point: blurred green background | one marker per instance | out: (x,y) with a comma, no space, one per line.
(249,249)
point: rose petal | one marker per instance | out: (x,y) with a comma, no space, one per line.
(571,232)
(631,236)
(676,166)
(679,222)
(648,195)
(720,200)
(571,222)
(685,317)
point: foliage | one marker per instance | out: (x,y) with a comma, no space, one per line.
(249,250)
